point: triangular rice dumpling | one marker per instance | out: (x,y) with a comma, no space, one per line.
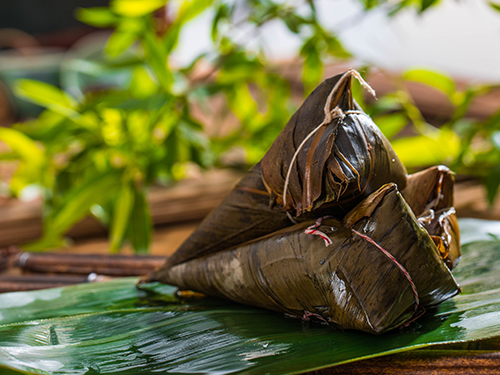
(344,161)
(363,257)
(373,271)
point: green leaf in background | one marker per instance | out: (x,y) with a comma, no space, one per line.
(222,13)
(335,47)
(312,69)
(293,22)
(81,198)
(142,85)
(124,36)
(135,8)
(122,210)
(370,4)
(98,16)
(22,146)
(425,4)
(32,160)
(157,55)
(391,124)
(75,205)
(242,103)
(140,225)
(46,95)
(494,6)
(114,328)
(440,147)
(434,79)
(188,10)
(192,8)
(119,41)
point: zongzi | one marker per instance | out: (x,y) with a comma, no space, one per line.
(344,161)
(372,271)
(320,229)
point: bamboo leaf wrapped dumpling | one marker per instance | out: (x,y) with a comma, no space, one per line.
(372,271)
(347,159)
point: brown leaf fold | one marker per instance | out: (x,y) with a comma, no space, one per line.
(430,195)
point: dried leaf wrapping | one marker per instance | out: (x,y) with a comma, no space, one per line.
(431,188)
(350,282)
(344,162)
(430,195)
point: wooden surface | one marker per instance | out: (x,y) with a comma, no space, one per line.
(423,362)
(476,357)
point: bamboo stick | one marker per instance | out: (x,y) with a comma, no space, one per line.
(49,270)
(8,257)
(26,282)
(83,264)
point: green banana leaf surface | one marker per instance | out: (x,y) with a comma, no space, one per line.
(114,328)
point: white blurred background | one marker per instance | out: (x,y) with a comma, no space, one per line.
(459,37)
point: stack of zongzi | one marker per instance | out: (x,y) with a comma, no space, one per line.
(328,226)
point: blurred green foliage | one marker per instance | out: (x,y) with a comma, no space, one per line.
(98,154)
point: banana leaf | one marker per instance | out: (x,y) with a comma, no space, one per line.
(114,328)
(344,160)
(374,271)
